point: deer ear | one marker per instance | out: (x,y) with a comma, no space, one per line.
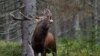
(40,18)
(37,18)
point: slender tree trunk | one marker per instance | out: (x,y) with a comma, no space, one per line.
(77,26)
(96,19)
(7,29)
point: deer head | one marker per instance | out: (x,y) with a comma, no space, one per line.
(46,15)
(45,19)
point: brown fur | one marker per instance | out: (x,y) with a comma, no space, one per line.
(50,43)
(43,41)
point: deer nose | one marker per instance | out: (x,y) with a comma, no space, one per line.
(51,21)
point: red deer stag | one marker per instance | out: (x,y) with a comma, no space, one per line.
(43,41)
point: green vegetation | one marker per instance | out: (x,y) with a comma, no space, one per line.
(77,48)
(65,47)
(10,48)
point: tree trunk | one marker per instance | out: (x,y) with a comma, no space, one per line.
(7,29)
(27,27)
(77,25)
(96,19)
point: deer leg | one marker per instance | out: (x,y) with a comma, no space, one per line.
(43,53)
(54,50)
(35,54)
(54,53)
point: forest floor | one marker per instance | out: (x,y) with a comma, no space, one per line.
(65,47)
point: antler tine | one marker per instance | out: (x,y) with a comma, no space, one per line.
(46,12)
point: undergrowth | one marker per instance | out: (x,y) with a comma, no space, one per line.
(65,47)
(10,48)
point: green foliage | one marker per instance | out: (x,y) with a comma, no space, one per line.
(77,48)
(65,47)
(10,49)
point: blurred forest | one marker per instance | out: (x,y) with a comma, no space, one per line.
(74,18)
(76,25)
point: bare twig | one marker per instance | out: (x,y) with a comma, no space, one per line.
(20,19)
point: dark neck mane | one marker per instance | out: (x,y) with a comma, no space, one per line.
(40,32)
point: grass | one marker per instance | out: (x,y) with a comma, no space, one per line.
(64,48)
(10,49)
(77,48)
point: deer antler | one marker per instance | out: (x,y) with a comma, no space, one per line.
(47,12)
